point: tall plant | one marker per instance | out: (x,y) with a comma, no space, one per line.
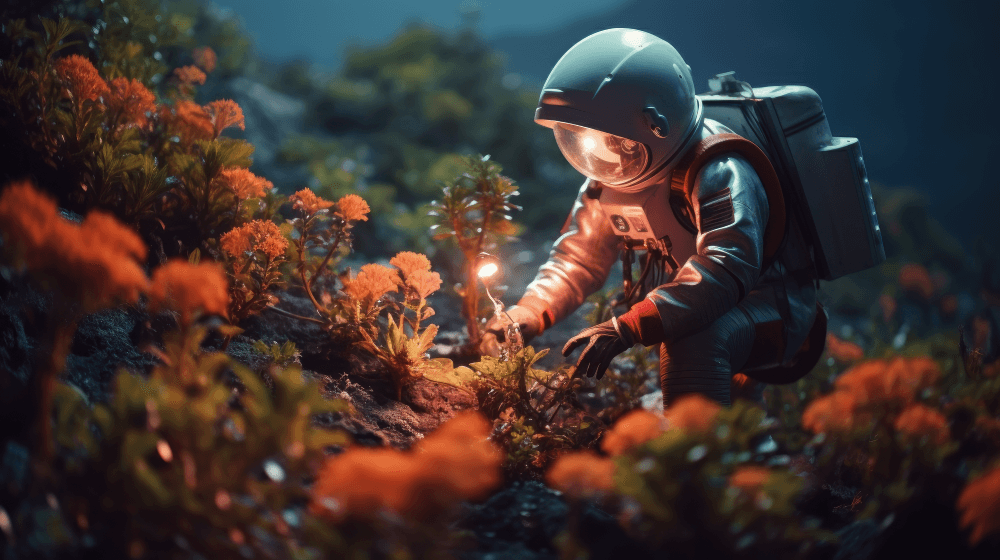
(474,211)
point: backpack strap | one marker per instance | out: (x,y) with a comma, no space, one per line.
(683,178)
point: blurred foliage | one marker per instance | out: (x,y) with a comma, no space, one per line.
(694,483)
(403,114)
(198,458)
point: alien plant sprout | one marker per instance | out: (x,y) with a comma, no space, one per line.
(487,267)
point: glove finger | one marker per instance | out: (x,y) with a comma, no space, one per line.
(586,358)
(603,367)
(574,343)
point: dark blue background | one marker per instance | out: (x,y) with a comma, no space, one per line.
(915,81)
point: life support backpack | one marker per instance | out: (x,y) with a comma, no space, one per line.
(810,176)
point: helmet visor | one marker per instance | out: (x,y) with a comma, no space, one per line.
(601,156)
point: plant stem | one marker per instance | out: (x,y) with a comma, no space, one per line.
(326,259)
(293,315)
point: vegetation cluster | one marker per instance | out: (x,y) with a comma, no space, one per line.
(125,191)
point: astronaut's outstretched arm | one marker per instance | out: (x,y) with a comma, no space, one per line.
(730,206)
(578,264)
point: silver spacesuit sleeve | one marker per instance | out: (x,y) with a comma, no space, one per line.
(579,261)
(730,208)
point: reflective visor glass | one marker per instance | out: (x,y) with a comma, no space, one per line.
(601,156)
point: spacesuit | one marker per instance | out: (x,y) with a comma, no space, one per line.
(622,106)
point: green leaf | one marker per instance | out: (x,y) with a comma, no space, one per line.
(442,370)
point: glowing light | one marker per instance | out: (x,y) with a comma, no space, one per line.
(163,448)
(635,39)
(487,270)
(589,143)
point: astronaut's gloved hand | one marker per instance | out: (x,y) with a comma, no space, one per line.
(604,341)
(495,332)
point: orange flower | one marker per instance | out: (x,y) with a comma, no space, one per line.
(415,269)
(692,412)
(832,413)
(915,279)
(244,184)
(894,382)
(923,422)
(308,202)
(452,464)
(460,463)
(190,75)
(843,351)
(258,235)
(408,262)
(190,121)
(372,282)
(189,289)
(632,430)
(583,474)
(225,113)
(980,505)
(205,58)
(82,79)
(130,100)
(97,263)
(749,478)
(353,208)
(423,283)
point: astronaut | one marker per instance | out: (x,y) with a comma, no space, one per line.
(739,289)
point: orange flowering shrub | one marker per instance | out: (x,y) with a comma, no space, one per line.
(409,262)
(980,505)
(832,413)
(843,351)
(97,263)
(749,478)
(582,475)
(244,183)
(83,82)
(258,235)
(915,279)
(224,113)
(353,208)
(919,421)
(371,283)
(188,120)
(190,75)
(189,289)
(255,252)
(129,102)
(415,270)
(454,463)
(894,382)
(693,413)
(307,202)
(205,58)
(632,430)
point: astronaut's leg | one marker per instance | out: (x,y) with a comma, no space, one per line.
(705,361)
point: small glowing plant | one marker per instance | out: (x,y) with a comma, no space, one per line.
(474,211)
